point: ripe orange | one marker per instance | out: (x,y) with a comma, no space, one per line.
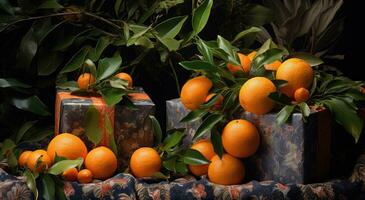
(205,147)
(126,77)
(245,64)
(68,146)
(297,72)
(301,95)
(70,174)
(218,102)
(195,91)
(85,176)
(240,138)
(254,95)
(226,171)
(102,162)
(22,160)
(38,160)
(145,162)
(273,66)
(252,55)
(85,80)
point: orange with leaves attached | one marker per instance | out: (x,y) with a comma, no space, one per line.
(125,77)
(85,80)
(205,147)
(38,161)
(245,64)
(195,91)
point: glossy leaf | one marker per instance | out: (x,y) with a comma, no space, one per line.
(199,65)
(112,96)
(118,83)
(170,27)
(32,104)
(170,164)
(69,85)
(110,131)
(201,16)
(144,42)
(7,146)
(271,55)
(27,49)
(76,61)
(284,114)
(170,43)
(208,124)
(309,58)
(156,129)
(172,140)
(10,82)
(48,62)
(211,102)
(108,66)
(194,157)
(304,108)
(30,179)
(181,167)
(345,116)
(242,34)
(61,166)
(48,185)
(137,35)
(216,139)
(92,129)
(226,46)
(23,129)
(101,45)
(205,50)
(193,116)
(66,41)
(268,44)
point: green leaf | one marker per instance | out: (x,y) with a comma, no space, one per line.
(69,85)
(10,82)
(170,27)
(60,193)
(156,129)
(7,146)
(284,114)
(345,116)
(112,96)
(66,41)
(181,167)
(269,44)
(193,116)
(37,136)
(304,108)
(159,175)
(61,166)
(48,187)
(172,140)
(101,45)
(245,32)
(309,58)
(6,6)
(23,129)
(271,55)
(117,6)
(108,66)
(126,31)
(144,42)
(27,49)
(170,164)
(76,61)
(194,157)
(110,131)
(50,4)
(205,50)
(170,43)
(32,104)
(118,83)
(92,129)
(208,124)
(31,182)
(216,139)
(201,16)
(48,62)
(211,102)
(279,83)
(199,65)
(137,35)
(226,46)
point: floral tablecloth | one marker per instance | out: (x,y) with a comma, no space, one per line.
(125,186)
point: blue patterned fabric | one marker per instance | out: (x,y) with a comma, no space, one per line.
(125,186)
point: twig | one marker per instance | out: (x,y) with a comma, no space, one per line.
(175,77)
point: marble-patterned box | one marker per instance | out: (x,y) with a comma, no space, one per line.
(175,111)
(131,126)
(296,152)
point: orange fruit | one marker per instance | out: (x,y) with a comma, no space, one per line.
(205,147)
(145,162)
(245,64)
(70,174)
(22,160)
(301,95)
(102,162)
(297,72)
(254,95)
(85,80)
(252,55)
(218,102)
(126,77)
(85,176)
(273,66)
(226,171)
(68,146)
(195,91)
(38,160)
(240,138)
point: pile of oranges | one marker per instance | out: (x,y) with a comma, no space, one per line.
(99,163)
